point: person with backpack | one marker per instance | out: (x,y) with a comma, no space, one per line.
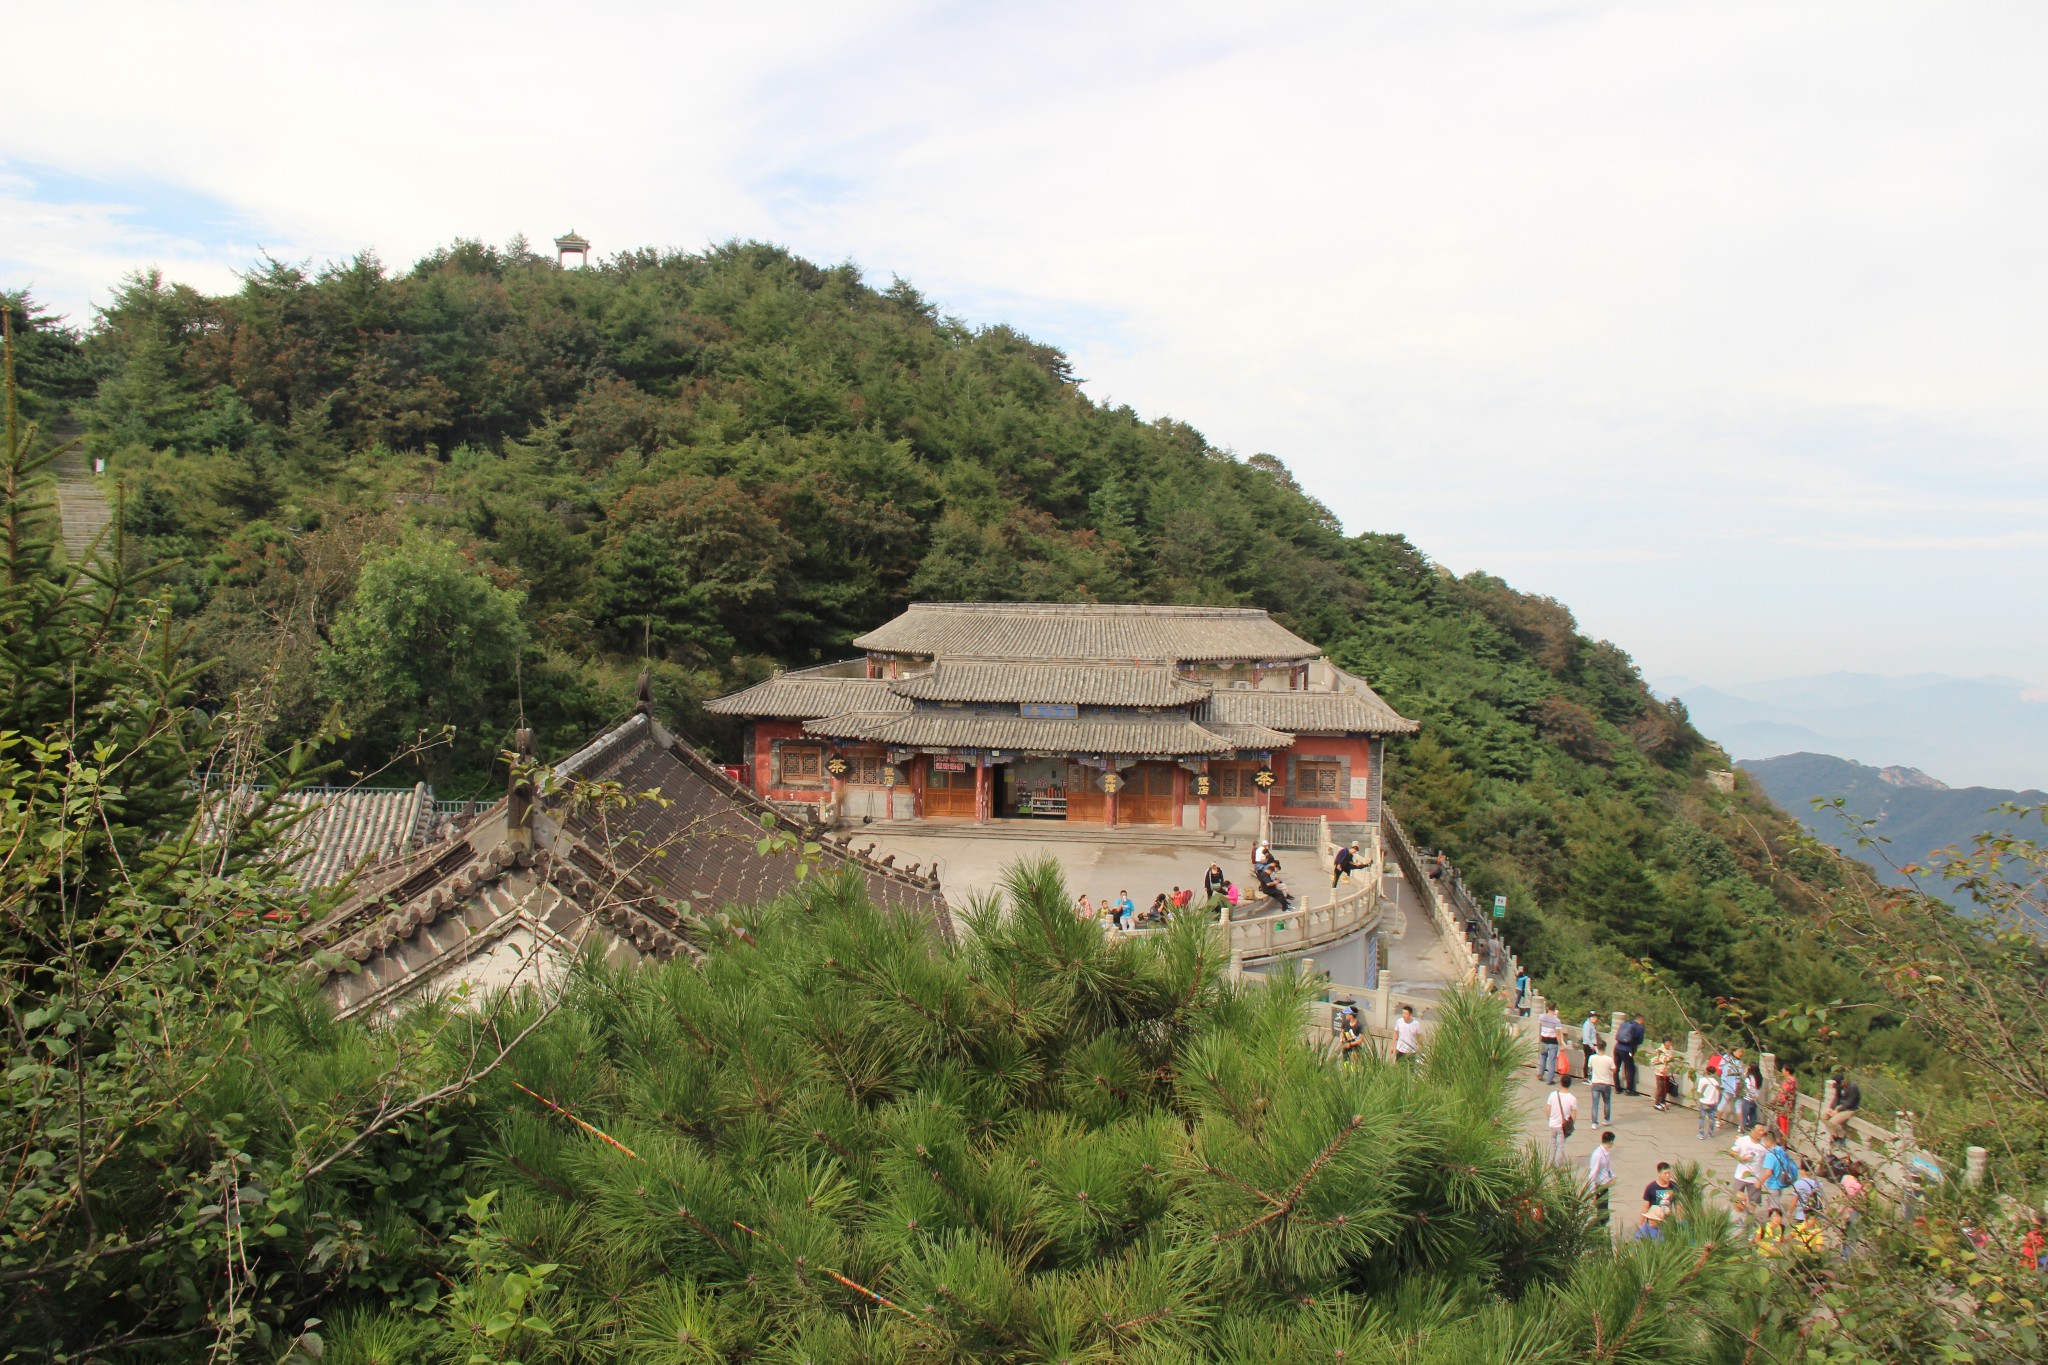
(1522,994)
(1627,1039)
(1564,1117)
(1780,1170)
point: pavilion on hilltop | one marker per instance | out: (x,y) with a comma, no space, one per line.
(1212,718)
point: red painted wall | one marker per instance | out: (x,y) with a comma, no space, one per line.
(766,731)
(1359,751)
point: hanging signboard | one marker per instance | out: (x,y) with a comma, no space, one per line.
(1500,907)
(949,765)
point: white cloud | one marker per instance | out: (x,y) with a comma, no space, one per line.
(1744,296)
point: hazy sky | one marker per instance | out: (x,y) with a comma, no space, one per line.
(1721,322)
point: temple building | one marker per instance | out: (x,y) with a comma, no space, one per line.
(1211,718)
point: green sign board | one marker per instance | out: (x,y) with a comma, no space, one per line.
(1500,907)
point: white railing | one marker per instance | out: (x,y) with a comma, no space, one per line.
(1310,926)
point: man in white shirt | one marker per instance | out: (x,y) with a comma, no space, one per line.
(1600,1077)
(1600,1173)
(1407,1036)
(1564,1114)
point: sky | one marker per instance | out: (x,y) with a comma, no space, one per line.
(1721,323)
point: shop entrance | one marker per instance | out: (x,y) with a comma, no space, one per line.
(1146,797)
(1032,789)
(949,790)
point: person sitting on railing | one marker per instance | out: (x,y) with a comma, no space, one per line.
(1848,1098)
(1158,912)
(1270,885)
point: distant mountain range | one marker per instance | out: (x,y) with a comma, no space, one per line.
(1916,813)
(1991,731)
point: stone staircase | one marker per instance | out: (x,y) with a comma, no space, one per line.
(81,502)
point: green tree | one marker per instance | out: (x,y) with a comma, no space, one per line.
(428,641)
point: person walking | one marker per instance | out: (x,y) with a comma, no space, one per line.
(1780,1171)
(1706,1093)
(1600,1175)
(1732,1067)
(1600,1080)
(1627,1039)
(1564,1117)
(1407,1036)
(1548,1026)
(1347,862)
(1350,1037)
(1589,1040)
(1660,1194)
(1522,994)
(1752,1096)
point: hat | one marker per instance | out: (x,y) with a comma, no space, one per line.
(1656,1213)
(1592,1014)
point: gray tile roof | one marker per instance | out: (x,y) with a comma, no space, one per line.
(349,827)
(1093,684)
(1305,713)
(1249,736)
(634,882)
(1085,631)
(808,695)
(1171,734)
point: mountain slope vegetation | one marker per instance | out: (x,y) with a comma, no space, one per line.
(486,488)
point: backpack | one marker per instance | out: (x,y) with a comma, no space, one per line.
(1781,1172)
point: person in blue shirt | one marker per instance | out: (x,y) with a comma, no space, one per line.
(1522,993)
(1126,909)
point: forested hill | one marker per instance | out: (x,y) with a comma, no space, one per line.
(484,484)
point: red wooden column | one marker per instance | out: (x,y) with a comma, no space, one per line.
(916,772)
(1202,802)
(1109,799)
(981,795)
(1180,794)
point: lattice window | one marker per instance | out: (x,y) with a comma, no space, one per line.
(864,770)
(1234,782)
(1318,781)
(803,765)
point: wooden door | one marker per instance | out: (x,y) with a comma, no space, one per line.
(1146,797)
(949,795)
(1084,794)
